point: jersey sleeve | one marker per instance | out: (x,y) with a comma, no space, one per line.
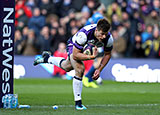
(80,40)
(109,45)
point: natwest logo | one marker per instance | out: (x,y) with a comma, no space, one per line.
(7,46)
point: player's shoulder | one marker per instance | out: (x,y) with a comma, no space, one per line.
(110,41)
(90,27)
(80,38)
(108,45)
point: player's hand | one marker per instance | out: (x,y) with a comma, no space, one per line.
(96,75)
(95,51)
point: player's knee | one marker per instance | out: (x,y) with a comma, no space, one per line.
(80,72)
(66,66)
(68,69)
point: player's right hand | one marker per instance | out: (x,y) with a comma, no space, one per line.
(96,74)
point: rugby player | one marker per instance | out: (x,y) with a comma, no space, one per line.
(88,34)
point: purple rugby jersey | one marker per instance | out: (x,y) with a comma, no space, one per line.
(79,42)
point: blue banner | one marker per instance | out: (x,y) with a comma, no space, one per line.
(132,70)
(122,70)
(7,14)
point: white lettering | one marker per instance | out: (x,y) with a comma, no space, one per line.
(7,44)
(6,30)
(5,62)
(5,87)
(140,74)
(6,75)
(9,41)
(10,10)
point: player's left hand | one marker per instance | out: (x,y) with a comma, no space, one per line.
(96,75)
(95,52)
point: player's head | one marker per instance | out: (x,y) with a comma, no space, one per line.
(103,26)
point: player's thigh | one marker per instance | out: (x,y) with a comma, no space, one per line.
(66,65)
(78,66)
(97,62)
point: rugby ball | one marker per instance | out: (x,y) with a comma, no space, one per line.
(88,49)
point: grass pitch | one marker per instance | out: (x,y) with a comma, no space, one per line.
(112,98)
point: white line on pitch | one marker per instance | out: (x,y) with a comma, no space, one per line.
(102,105)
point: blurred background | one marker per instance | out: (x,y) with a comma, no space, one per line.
(48,24)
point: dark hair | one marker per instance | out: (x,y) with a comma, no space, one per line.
(103,25)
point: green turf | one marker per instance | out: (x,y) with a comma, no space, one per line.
(112,98)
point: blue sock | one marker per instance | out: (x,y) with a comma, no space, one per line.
(90,73)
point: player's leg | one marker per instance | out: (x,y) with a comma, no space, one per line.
(61,62)
(88,77)
(77,82)
(90,74)
(43,59)
(64,64)
(88,81)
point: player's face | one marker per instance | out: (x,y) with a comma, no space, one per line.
(100,35)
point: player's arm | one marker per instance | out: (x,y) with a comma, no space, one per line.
(104,61)
(79,55)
